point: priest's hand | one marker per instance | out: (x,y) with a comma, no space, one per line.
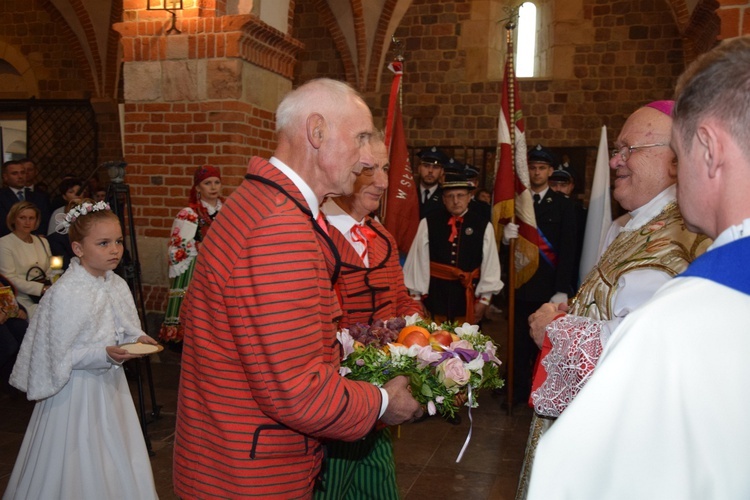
(540,319)
(402,407)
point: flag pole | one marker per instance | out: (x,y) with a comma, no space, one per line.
(509,27)
(389,125)
(400,203)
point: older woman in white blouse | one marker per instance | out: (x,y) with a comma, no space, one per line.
(21,252)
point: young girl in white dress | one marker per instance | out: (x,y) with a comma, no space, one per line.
(84,440)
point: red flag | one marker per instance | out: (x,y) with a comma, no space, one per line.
(511,194)
(401,210)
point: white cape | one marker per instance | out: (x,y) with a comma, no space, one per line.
(84,440)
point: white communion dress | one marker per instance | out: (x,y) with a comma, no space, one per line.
(84,440)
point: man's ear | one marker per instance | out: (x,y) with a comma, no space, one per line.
(77,248)
(315,126)
(713,151)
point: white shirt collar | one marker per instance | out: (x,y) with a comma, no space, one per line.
(642,215)
(343,222)
(304,188)
(337,217)
(212,210)
(430,191)
(731,234)
(541,194)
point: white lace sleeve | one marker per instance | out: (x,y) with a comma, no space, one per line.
(576,348)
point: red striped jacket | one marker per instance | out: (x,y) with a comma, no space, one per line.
(260,383)
(377,292)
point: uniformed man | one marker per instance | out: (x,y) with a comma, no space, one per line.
(432,162)
(453,265)
(563,181)
(556,224)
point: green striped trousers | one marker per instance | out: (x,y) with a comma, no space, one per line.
(359,470)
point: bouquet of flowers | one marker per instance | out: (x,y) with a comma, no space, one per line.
(446,364)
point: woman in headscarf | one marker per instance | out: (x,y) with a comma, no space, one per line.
(189,229)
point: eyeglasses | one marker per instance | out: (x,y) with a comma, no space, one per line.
(626,151)
(458,195)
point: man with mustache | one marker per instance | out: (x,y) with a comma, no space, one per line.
(453,264)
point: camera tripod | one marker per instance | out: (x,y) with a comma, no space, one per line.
(118,197)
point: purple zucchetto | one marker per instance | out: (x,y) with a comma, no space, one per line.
(665,106)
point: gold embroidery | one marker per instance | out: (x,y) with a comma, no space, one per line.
(663,244)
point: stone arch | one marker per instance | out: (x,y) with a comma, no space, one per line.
(699,27)
(339,39)
(393,11)
(22,65)
(360,37)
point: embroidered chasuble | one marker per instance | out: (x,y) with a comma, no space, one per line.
(662,244)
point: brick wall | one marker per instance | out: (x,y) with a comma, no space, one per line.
(735,18)
(319,56)
(634,56)
(41,39)
(38,32)
(204,96)
(167,141)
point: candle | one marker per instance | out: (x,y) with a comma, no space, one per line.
(56,262)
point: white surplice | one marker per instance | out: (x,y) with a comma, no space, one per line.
(663,415)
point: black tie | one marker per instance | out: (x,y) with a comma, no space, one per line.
(537,198)
(426,195)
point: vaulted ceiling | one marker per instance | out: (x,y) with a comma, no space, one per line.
(361,30)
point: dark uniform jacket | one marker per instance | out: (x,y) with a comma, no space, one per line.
(556,219)
(433,205)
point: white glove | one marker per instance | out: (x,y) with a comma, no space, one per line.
(510,231)
(559,297)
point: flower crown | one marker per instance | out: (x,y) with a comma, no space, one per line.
(64,220)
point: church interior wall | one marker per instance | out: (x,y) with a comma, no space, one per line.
(601,60)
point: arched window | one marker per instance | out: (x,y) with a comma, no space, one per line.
(526,40)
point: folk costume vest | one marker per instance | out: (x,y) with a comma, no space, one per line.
(448,297)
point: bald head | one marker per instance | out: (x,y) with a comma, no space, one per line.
(641,173)
(324,128)
(321,95)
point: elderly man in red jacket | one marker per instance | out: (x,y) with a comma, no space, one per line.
(371,287)
(260,384)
